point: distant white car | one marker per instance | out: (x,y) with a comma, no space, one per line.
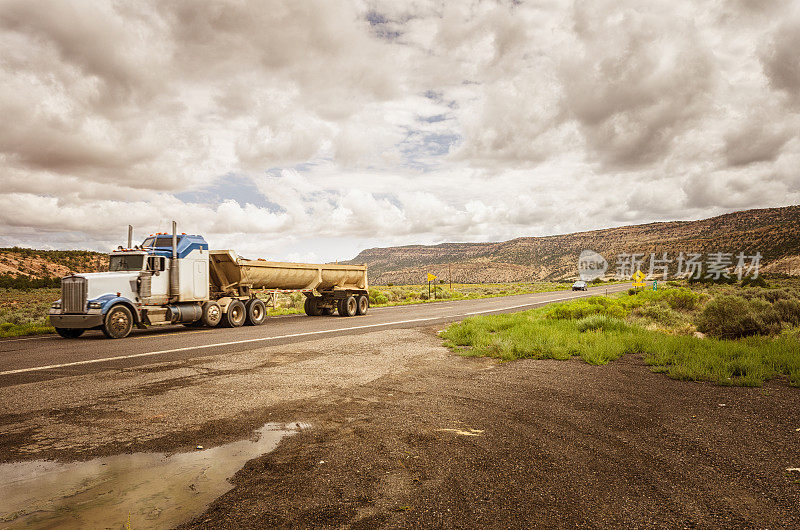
(580,285)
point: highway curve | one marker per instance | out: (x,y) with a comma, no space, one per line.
(46,357)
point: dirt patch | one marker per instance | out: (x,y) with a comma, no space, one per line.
(471,443)
(407,434)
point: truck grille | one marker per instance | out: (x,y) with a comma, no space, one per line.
(73,294)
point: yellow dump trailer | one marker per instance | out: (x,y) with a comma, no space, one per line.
(327,287)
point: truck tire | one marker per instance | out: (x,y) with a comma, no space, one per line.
(70,333)
(235,316)
(118,322)
(348,306)
(256,312)
(311,306)
(212,314)
(363,305)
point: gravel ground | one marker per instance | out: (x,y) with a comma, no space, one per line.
(404,434)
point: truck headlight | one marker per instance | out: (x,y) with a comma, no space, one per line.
(95,305)
(56,305)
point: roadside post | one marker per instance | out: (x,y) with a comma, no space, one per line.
(431,277)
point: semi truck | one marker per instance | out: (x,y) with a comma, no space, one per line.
(175,279)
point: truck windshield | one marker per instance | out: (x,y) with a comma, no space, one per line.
(159,242)
(130,262)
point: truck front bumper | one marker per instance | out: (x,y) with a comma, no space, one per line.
(81,321)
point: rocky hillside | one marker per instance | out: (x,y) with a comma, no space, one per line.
(30,263)
(774,232)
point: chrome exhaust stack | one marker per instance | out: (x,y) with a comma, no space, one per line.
(174,284)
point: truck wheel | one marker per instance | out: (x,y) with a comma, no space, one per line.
(363,305)
(70,333)
(256,312)
(311,306)
(212,314)
(235,316)
(348,306)
(118,322)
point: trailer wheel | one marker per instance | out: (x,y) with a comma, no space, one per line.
(70,333)
(311,306)
(256,312)
(118,322)
(363,305)
(235,316)
(212,314)
(348,306)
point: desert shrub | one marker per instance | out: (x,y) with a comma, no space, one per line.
(392,294)
(632,291)
(657,313)
(376,297)
(732,317)
(681,299)
(773,295)
(788,311)
(758,281)
(597,280)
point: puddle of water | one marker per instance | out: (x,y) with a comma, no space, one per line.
(148,490)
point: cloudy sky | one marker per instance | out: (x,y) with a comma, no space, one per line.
(312,130)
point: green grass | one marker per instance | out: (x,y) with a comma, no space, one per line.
(24,312)
(656,324)
(19,330)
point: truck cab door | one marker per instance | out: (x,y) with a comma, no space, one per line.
(158,266)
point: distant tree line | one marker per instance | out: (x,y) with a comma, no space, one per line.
(8,281)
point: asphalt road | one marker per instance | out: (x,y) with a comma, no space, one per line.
(41,358)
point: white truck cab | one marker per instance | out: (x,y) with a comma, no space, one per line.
(162,281)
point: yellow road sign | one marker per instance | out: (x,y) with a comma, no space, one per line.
(638,279)
(431,277)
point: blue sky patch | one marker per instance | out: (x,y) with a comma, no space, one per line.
(231,186)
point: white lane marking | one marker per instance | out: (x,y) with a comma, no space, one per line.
(262,339)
